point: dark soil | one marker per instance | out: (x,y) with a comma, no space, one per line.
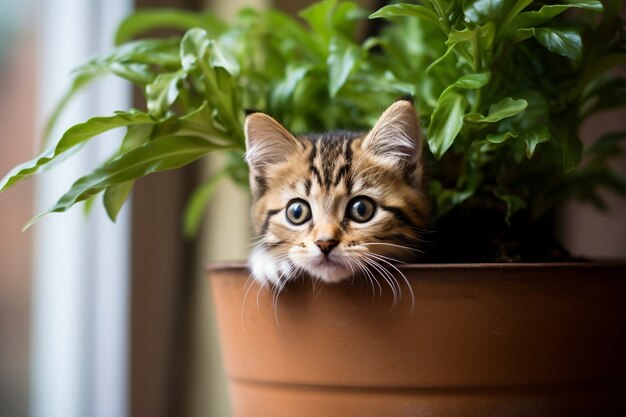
(478,232)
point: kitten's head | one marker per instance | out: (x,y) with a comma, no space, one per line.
(331,204)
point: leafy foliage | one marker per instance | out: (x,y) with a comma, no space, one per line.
(502,88)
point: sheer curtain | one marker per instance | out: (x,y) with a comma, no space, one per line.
(80,282)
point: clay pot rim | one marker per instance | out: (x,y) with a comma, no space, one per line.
(615,263)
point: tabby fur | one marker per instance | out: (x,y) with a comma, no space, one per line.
(329,171)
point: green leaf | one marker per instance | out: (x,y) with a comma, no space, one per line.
(505,108)
(281,96)
(163,92)
(135,61)
(473,44)
(197,203)
(199,122)
(115,195)
(470,82)
(563,42)
(513,204)
(114,198)
(193,47)
(78,83)
(451,48)
(532,139)
(221,57)
(486,36)
(566,42)
(445,123)
(218,69)
(447,198)
(482,11)
(465,35)
(441,6)
(146,20)
(346,17)
(158,155)
(74,136)
(593,5)
(501,137)
(329,18)
(549,11)
(604,94)
(136,135)
(603,85)
(342,60)
(295,35)
(607,145)
(473,81)
(88,205)
(163,52)
(197,46)
(403,9)
(320,17)
(513,12)
(571,146)
(139,74)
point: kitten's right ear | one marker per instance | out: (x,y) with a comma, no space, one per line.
(395,138)
(267,142)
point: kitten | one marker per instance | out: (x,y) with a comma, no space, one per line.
(334,204)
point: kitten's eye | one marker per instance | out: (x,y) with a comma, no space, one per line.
(298,212)
(361,209)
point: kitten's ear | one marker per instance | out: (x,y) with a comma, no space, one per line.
(267,142)
(396,137)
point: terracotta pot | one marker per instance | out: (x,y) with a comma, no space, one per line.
(481,340)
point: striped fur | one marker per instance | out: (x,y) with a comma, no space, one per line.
(327,171)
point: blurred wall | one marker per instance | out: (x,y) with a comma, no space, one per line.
(585,230)
(17,115)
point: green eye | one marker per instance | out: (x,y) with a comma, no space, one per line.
(298,212)
(361,209)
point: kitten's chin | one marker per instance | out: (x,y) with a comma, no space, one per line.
(266,268)
(328,271)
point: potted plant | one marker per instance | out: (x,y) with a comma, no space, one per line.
(502,88)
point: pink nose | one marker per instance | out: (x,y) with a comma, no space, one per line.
(326,245)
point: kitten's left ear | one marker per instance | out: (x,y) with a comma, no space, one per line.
(395,138)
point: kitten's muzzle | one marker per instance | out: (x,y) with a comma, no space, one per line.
(326,245)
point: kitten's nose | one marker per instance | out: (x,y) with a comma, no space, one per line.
(326,245)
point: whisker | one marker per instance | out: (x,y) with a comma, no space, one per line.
(373,278)
(258,309)
(282,281)
(249,283)
(321,288)
(393,283)
(384,275)
(352,269)
(391,244)
(278,287)
(388,258)
(383,258)
(370,277)
(254,241)
(420,230)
